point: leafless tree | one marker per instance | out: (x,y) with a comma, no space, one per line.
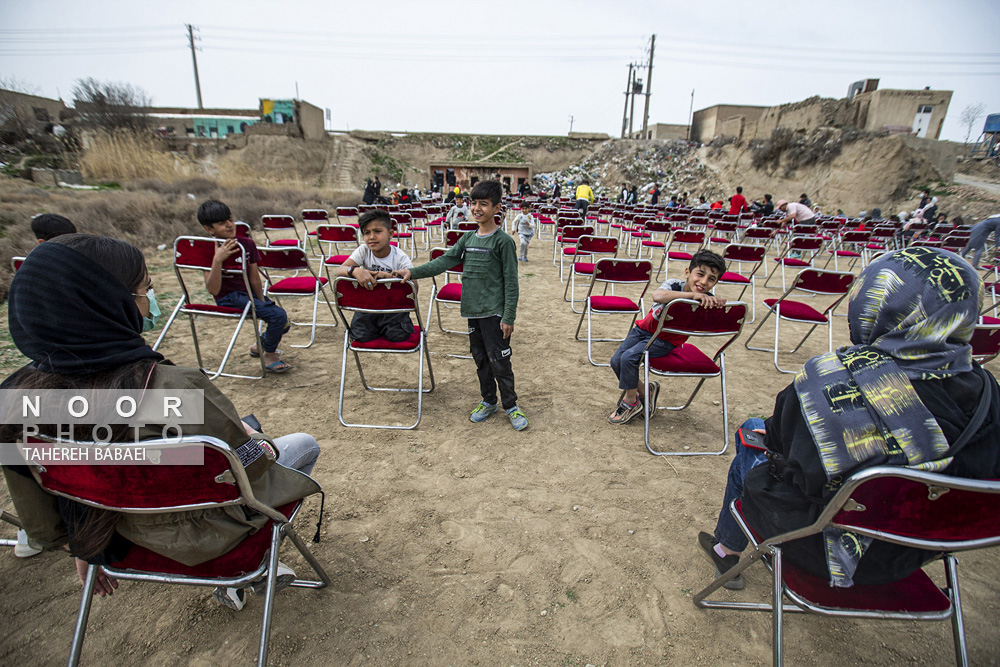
(970,114)
(111,105)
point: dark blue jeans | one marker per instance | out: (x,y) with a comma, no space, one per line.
(628,356)
(727,531)
(273,314)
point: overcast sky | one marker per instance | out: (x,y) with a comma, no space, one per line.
(510,67)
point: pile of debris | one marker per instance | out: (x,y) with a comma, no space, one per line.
(674,165)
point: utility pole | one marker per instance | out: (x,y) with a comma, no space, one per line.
(194,59)
(571,124)
(691,114)
(649,84)
(631,113)
(628,89)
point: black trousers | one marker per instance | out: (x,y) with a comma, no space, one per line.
(491,352)
(395,327)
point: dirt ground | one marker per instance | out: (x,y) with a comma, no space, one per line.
(458,543)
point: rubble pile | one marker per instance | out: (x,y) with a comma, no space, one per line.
(674,165)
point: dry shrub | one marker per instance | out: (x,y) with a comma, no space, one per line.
(126,156)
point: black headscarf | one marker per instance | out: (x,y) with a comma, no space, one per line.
(71,317)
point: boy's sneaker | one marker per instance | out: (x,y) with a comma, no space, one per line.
(625,413)
(24,548)
(652,393)
(482,411)
(707,543)
(517,419)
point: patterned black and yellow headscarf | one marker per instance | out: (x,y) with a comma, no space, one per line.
(911,315)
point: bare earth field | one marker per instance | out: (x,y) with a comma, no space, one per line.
(466,544)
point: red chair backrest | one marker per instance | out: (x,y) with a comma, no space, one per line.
(16,262)
(345,212)
(613,270)
(284,259)
(688,237)
(437,252)
(316,215)
(467,226)
(805,243)
(574,232)
(658,227)
(452,236)
(597,244)
(242,229)
(743,253)
(689,317)
(337,233)
(273,222)
(726,227)
(823,282)
(195,252)
(389,296)
(761,233)
(855,236)
(985,342)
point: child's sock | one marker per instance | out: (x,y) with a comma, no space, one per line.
(718,550)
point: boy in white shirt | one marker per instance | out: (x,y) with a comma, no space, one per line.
(375,259)
(458,213)
(524,223)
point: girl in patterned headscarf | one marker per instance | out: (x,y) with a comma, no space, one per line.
(902,394)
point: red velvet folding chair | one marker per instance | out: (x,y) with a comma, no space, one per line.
(565,243)
(659,234)
(687,317)
(724,234)
(609,273)
(16,262)
(335,236)
(276,261)
(682,247)
(389,296)
(277,229)
(849,245)
(588,250)
(891,504)
(811,282)
(806,247)
(448,293)
(243,229)
(220,482)
(742,264)
(347,215)
(452,236)
(193,253)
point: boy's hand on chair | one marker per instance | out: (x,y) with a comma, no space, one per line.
(364,278)
(228,248)
(710,301)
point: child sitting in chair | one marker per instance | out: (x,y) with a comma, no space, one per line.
(377,258)
(703,272)
(230,291)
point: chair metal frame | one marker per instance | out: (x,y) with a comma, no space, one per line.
(845,512)
(804,277)
(567,239)
(803,244)
(609,277)
(739,254)
(272,287)
(686,239)
(589,246)
(7,517)
(204,250)
(732,310)
(280,223)
(407,296)
(240,493)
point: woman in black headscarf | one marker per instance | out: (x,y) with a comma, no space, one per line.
(77,308)
(906,393)
(369,196)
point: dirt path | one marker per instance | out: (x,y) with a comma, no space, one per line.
(965,179)
(464,544)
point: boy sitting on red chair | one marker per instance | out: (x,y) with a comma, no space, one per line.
(700,277)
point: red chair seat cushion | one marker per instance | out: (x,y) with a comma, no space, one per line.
(312,233)
(284,242)
(336,260)
(875,246)
(653,244)
(674,254)
(411,343)
(845,253)
(916,593)
(684,359)
(211,308)
(990,320)
(583,268)
(435,223)
(296,285)
(418,229)
(733,277)
(242,559)
(618,304)
(450,292)
(792,261)
(796,310)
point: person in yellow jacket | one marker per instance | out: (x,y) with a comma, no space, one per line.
(584,196)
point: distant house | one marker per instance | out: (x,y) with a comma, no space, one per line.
(28,114)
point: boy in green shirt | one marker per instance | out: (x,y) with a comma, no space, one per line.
(489,300)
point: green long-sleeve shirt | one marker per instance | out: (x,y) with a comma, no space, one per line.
(489,274)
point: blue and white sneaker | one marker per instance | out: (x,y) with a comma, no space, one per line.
(482,411)
(517,419)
